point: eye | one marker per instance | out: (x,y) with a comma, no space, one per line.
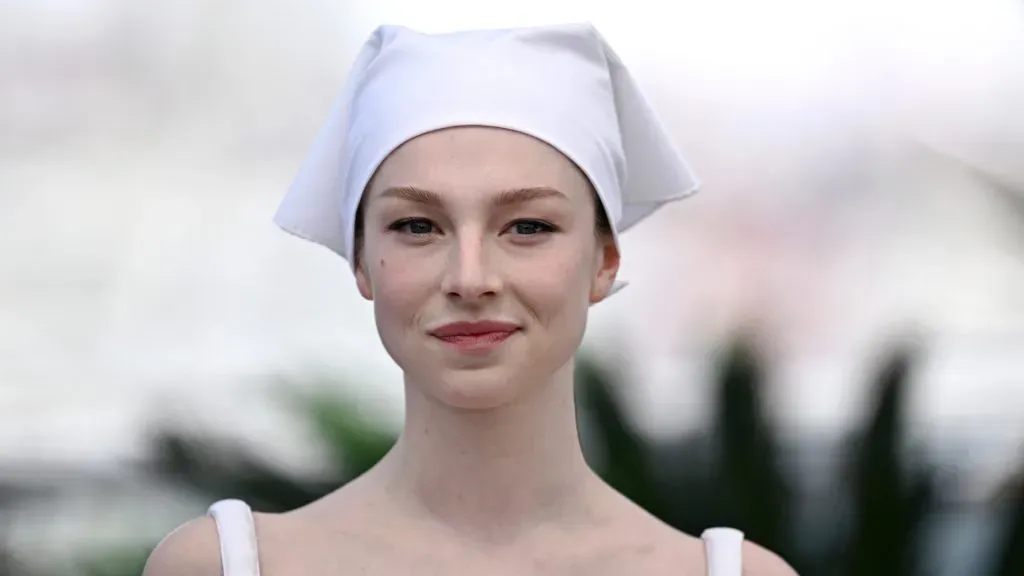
(530,227)
(414,226)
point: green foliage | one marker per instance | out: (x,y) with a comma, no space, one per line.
(220,469)
(124,562)
(730,474)
(223,469)
(350,438)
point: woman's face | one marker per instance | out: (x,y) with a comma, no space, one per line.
(480,254)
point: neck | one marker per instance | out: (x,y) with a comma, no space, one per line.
(491,474)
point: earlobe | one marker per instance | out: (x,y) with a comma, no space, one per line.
(607,270)
(363,282)
(598,293)
(602,287)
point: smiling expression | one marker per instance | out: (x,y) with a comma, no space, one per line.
(478,248)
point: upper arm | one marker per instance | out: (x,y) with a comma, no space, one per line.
(759,561)
(191,550)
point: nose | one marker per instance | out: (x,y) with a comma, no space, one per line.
(471,274)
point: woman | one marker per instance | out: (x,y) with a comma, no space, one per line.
(477,183)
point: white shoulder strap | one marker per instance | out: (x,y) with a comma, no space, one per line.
(239,554)
(724,550)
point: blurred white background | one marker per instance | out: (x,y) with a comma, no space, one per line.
(864,177)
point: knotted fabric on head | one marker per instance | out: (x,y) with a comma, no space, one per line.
(561,84)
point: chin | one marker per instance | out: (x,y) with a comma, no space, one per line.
(477,382)
(481,389)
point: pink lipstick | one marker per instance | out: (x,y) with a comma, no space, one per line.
(480,337)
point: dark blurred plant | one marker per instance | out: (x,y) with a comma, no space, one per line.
(747,485)
(753,488)
(1009,557)
(892,494)
(624,457)
(732,478)
(10,495)
(671,481)
(353,440)
(219,469)
(731,474)
(216,468)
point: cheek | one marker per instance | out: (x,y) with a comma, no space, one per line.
(399,299)
(400,288)
(559,281)
(557,291)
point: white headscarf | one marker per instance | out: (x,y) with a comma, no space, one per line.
(561,84)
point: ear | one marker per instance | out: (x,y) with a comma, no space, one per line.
(363,279)
(606,268)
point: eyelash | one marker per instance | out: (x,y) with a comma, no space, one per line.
(403,224)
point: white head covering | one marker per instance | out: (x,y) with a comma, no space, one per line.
(560,84)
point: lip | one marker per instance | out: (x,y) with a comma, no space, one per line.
(483,336)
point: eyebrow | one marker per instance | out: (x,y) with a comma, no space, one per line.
(505,197)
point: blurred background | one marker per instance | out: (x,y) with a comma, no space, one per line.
(825,348)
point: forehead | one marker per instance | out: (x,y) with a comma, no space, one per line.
(474,159)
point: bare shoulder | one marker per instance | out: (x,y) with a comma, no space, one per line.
(686,554)
(760,561)
(192,549)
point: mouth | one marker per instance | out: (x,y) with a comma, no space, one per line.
(475,336)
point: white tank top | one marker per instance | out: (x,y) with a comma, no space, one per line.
(239,553)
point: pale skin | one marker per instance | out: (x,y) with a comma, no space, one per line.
(488,476)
